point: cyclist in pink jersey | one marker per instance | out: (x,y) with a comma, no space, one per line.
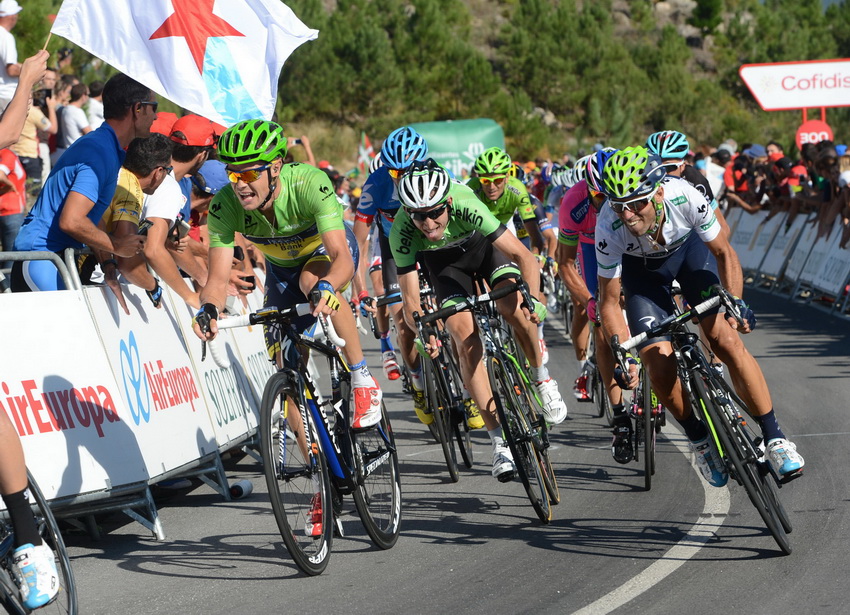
(577,266)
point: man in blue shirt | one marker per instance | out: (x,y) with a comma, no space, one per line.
(81,186)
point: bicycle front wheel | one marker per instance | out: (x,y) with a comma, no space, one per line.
(739,455)
(65,602)
(440,405)
(518,434)
(378,494)
(648,431)
(296,475)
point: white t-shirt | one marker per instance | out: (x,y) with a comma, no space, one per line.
(8,55)
(686,210)
(72,122)
(166,202)
(95,113)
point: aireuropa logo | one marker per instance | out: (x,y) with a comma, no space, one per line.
(136,389)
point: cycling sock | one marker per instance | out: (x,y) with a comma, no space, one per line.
(581,366)
(360,375)
(540,330)
(540,373)
(496,437)
(694,428)
(23,522)
(769,426)
(415,377)
(386,342)
(466,394)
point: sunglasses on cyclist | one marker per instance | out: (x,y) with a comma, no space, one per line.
(634,205)
(395,173)
(492,180)
(433,214)
(248,176)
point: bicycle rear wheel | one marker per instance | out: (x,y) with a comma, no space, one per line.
(65,602)
(517,433)
(296,475)
(740,456)
(378,495)
(441,407)
(648,431)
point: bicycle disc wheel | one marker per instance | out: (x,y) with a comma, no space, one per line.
(441,408)
(378,495)
(66,600)
(296,475)
(518,436)
(743,463)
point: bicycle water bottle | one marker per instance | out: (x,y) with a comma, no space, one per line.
(241,489)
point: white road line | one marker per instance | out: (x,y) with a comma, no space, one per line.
(716,506)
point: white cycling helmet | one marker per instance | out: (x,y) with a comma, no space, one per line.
(580,169)
(375,164)
(424,185)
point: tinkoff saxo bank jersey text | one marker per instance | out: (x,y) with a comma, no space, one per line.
(305,208)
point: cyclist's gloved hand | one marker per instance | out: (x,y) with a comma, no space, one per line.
(155,295)
(204,317)
(553,264)
(592,314)
(623,374)
(540,309)
(747,313)
(419,344)
(324,291)
(365,300)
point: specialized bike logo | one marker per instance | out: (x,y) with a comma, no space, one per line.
(136,388)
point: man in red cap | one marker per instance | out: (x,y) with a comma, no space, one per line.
(168,209)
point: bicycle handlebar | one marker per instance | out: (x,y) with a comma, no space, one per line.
(722,297)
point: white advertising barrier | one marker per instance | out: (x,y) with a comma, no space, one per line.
(804,246)
(783,244)
(766,234)
(835,266)
(228,392)
(155,375)
(733,216)
(821,247)
(59,391)
(745,237)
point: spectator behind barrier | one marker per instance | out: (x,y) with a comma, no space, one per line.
(80,188)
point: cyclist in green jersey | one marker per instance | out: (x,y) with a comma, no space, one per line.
(290,212)
(457,237)
(496,185)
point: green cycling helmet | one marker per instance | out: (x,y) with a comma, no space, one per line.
(252,141)
(493,161)
(631,173)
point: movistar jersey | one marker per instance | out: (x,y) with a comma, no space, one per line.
(514,198)
(686,210)
(306,208)
(466,215)
(379,199)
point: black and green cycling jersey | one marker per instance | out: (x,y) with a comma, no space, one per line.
(515,198)
(305,208)
(466,215)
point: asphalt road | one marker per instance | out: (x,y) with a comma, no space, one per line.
(477,547)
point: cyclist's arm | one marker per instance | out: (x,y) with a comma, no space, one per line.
(534,234)
(411,299)
(215,291)
(342,263)
(569,272)
(728,264)
(551,242)
(361,232)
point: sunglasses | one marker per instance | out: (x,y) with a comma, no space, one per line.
(154,105)
(433,214)
(633,205)
(492,180)
(395,173)
(249,176)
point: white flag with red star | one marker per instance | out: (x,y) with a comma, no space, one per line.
(220,59)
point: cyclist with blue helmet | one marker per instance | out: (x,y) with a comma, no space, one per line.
(290,212)
(673,147)
(659,229)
